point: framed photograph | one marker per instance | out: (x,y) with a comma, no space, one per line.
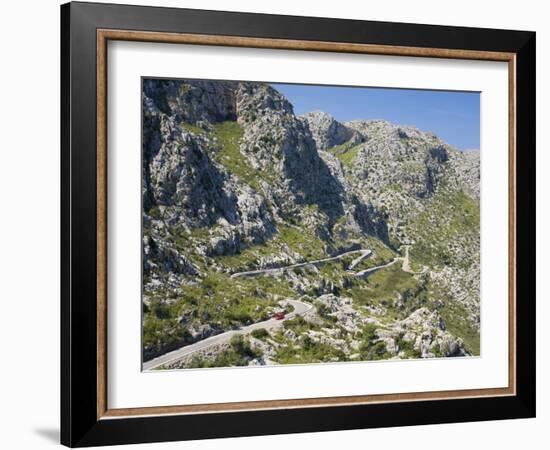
(276,224)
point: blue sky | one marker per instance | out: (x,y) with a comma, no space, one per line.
(452,116)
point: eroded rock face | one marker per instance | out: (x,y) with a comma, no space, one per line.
(328,132)
(187,185)
(275,139)
(425,331)
(183,177)
(192,102)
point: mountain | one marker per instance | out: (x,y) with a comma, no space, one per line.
(234,182)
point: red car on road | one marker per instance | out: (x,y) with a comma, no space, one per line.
(279,316)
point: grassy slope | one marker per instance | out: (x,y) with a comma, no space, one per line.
(451,216)
(229,135)
(454,216)
(193,129)
(346,153)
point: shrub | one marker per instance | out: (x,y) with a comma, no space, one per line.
(369,348)
(155,212)
(379,351)
(236,341)
(309,351)
(299,325)
(369,333)
(260,333)
(241,346)
(160,309)
(407,348)
(239,316)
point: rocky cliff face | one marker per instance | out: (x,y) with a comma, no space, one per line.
(328,132)
(233,180)
(235,155)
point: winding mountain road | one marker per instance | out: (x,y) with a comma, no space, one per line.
(300,309)
(406,266)
(251,273)
(364,253)
(370,270)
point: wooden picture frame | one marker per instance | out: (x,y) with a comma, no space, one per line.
(86,418)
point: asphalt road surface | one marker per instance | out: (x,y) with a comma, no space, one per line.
(300,309)
(275,270)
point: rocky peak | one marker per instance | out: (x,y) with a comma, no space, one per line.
(417,161)
(255,98)
(278,142)
(327,131)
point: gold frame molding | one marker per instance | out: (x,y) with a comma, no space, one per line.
(103,36)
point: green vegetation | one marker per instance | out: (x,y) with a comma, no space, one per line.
(184,89)
(155,212)
(381,254)
(346,153)
(458,324)
(370,349)
(334,270)
(260,333)
(299,325)
(414,167)
(227,302)
(394,187)
(239,354)
(328,320)
(417,297)
(218,300)
(454,216)
(193,129)
(383,285)
(306,351)
(302,241)
(288,238)
(407,348)
(161,334)
(229,135)
(368,333)
(248,258)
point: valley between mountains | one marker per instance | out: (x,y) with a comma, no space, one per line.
(362,237)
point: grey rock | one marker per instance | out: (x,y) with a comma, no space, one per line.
(328,132)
